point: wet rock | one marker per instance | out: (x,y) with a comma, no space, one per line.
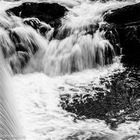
(125,15)
(48,12)
(126,21)
(41,27)
(116,104)
(33,22)
(130,43)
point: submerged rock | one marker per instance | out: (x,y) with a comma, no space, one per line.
(116,103)
(41,27)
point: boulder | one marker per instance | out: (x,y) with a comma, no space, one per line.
(50,13)
(124,15)
(126,21)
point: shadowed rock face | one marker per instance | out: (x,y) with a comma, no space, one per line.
(130,42)
(48,12)
(126,21)
(124,15)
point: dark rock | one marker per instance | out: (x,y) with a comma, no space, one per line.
(41,27)
(118,104)
(130,42)
(125,15)
(48,12)
(33,22)
(126,21)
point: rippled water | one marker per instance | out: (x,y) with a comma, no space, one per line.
(41,116)
(39,105)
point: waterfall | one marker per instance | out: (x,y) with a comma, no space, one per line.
(29,44)
(9,126)
(76,53)
(47,73)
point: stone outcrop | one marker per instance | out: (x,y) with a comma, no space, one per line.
(125,15)
(50,13)
(126,21)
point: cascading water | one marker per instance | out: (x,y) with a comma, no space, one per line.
(9,126)
(76,52)
(45,67)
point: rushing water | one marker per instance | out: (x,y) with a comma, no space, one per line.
(42,70)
